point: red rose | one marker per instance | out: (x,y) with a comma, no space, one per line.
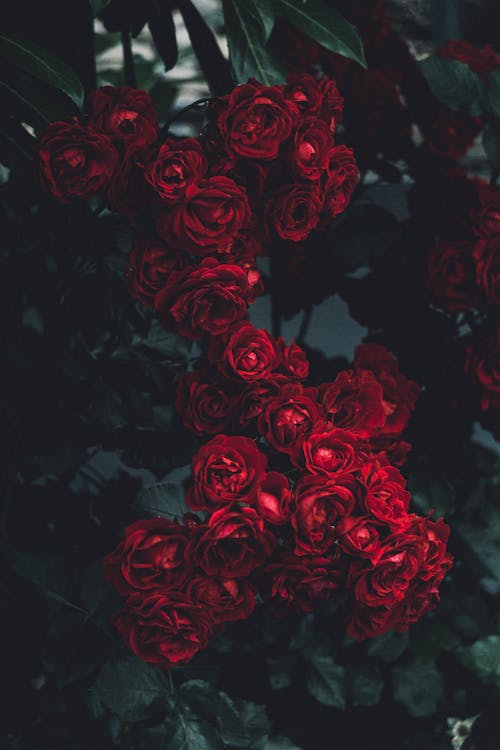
(294,210)
(256,120)
(319,503)
(209,218)
(359,536)
(227,469)
(254,398)
(249,353)
(176,165)
(451,134)
(274,499)
(310,148)
(164,629)
(293,360)
(368,622)
(289,416)
(384,494)
(206,300)
(436,560)
(305,92)
(450,275)
(333,102)
(126,114)
(75,161)
(487,257)
(151,556)
(204,404)
(400,393)
(333,451)
(294,584)
(483,364)
(150,267)
(234,543)
(354,402)
(481,61)
(226,599)
(487,216)
(343,176)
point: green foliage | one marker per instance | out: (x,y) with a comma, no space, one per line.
(454,84)
(419,687)
(483,659)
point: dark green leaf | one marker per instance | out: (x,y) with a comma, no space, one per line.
(366,236)
(389,646)
(42,65)
(494,92)
(98,5)
(276,743)
(162,28)
(365,686)
(325,25)
(483,658)
(263,13)
(419,686)
(248,55)
(48,572)
(192,734)
(491,144)
(162,500)
(28,100)
(454,84)
(326,681)
(131,689)
(280,671)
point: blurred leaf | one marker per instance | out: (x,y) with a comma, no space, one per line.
(103,42)
(276,743)
(162,28)
(263,13)
(325,25)
(162,500)
(493,91)
(483,658)
(389,646)
(130,689)
(247,53)
(454,84)
(280,671)
(480,541)
(42,65)
(364,237)
(326,680)
(419,687)
(164,94)
(491,143)
(193,734)
(366,684)
(49,572)
(98,5)
(30,101)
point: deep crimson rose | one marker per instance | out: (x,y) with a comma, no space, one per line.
(451,275)
(487,214)
(234,543)
(368,622)
(483,364)
(359,536)
(487,258)
(256,120)
(400,393)
(294,210)
(293,360)
(481,61)
(333,102)
(354,402)
(204,403)
(208,219)
(152,555)
(227,469)
(249,354)
(310,148)
(205,300)
(305,92)
(386,583)
(343,176)
(151,264)
(390,449)
(176,165)
(75,161)
(434,534)
(384,494)
(274,499)
(451,134)
(333,451)
(319,504)
(226,599)
(164,628)
(289,416)
(127,114)
(254,398)
(294,584)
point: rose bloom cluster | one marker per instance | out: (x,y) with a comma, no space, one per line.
(463,279)
(301,505)
(266,170)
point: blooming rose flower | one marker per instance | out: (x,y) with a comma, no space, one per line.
(208,219)
(227,469)
(359,536)
(333,102)
(293,360)
(274,498)
(255,120)
(483,363)
(294,211)
(253,400)
(310,149)
(305,92)
(343,176)
(127,115)
(152,555)
(204,404)
(368,622)
(151,264)
(354,402)
(319,504)
(487,258)
(289,416)
(384,494)
(234,543)
(226,599)
(450,275)
(176,165)
(487,215)
(208,299)
(75,161)
(333,451)
(164,628)
(248,353)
